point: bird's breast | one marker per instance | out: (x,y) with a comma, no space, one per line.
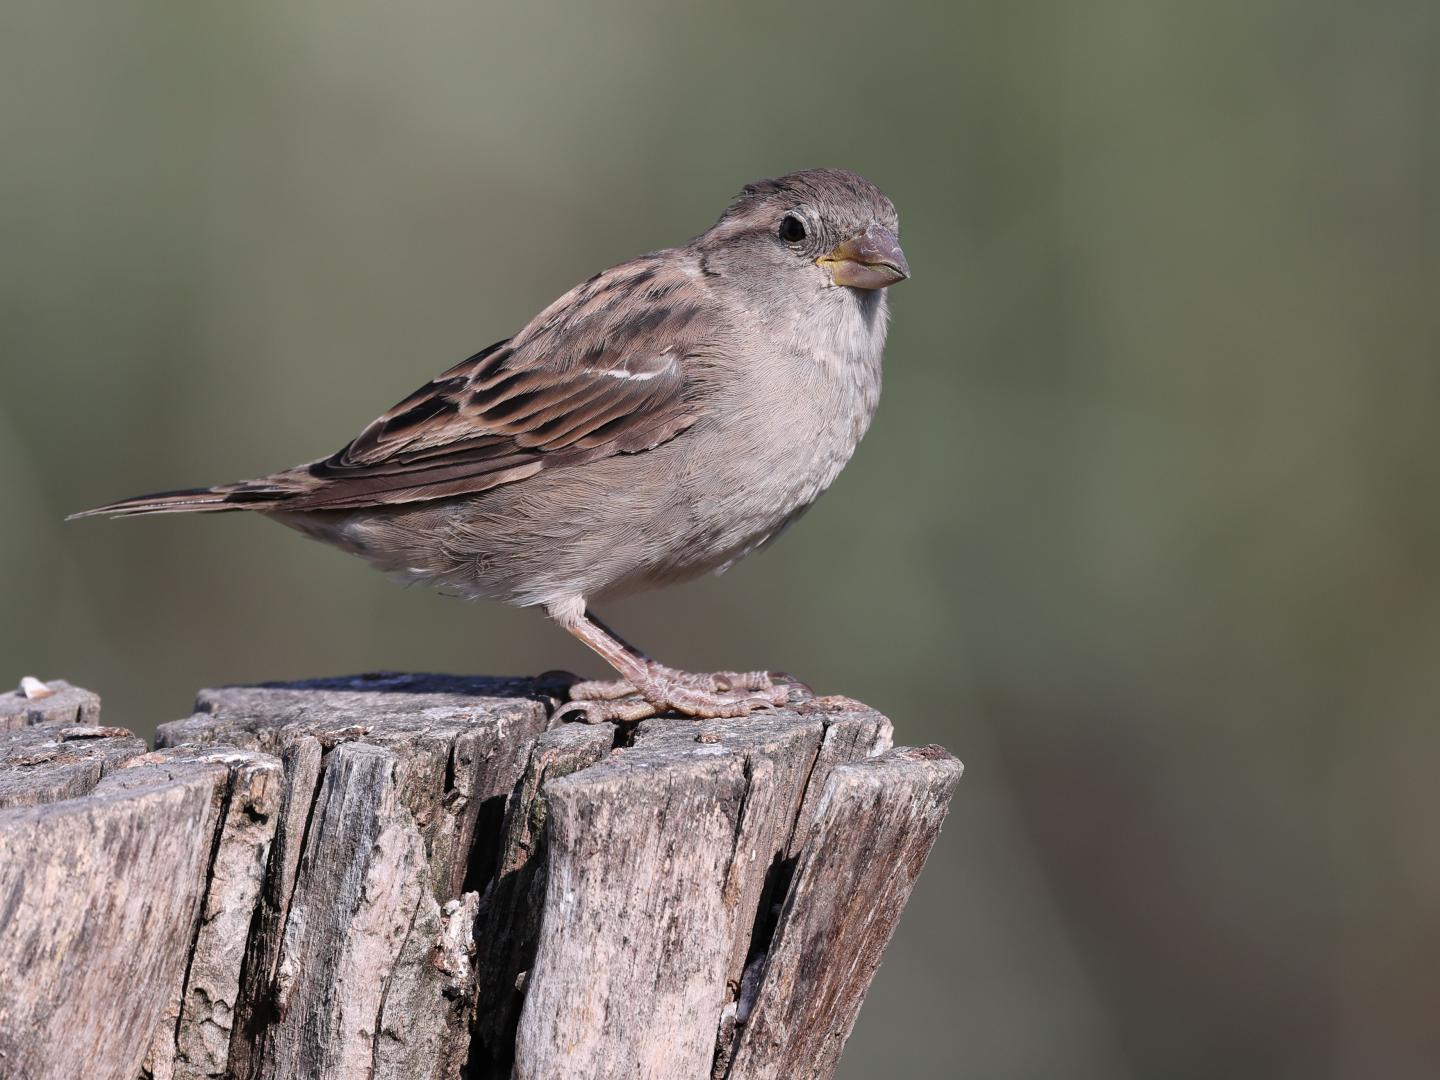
(807,403)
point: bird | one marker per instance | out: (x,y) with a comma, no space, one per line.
(662,420)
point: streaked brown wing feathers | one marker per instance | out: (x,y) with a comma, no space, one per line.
(600,372)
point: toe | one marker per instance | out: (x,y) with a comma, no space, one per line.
(601,690)
(724,695)
(741,680)
(710,704)
(784,678)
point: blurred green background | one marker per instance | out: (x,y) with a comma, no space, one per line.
(1146,529)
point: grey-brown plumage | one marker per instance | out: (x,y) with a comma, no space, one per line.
(659,421)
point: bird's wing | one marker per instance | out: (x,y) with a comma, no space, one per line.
(602,371)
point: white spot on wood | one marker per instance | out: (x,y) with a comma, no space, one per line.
(33,688)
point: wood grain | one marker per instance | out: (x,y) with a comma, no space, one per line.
(875,824)
(97,897)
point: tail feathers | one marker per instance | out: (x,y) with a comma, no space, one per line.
(189,500)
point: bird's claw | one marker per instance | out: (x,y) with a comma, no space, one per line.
(604,710)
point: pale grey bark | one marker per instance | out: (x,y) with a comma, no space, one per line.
(416,876)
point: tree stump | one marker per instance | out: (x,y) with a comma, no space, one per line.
(421,876)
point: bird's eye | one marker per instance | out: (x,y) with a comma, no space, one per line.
(792,229)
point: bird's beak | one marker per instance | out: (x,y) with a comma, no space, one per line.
(868,260)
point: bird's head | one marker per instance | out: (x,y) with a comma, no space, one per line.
(818,227)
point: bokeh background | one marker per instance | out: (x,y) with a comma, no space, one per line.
(1146,530)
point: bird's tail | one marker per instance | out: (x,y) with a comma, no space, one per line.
(250,495)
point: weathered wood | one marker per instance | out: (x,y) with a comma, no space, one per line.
(48,762)
(636,932)
(787,756)
(418,877)
(64,704)
(424,1023)
(459,744)
(395,792)
(255,1007)
(735,792)
(509,926)
(193,1040)
(361,878)
(97,896)
(876,823)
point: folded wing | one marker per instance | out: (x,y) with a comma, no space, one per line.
(602,371)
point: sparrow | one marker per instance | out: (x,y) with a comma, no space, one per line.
(661,420)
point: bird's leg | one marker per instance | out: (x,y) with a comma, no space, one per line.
(607,689)
(718,681)
(647,688)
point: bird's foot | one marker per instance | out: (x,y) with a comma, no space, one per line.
(719,682)
(719,695)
